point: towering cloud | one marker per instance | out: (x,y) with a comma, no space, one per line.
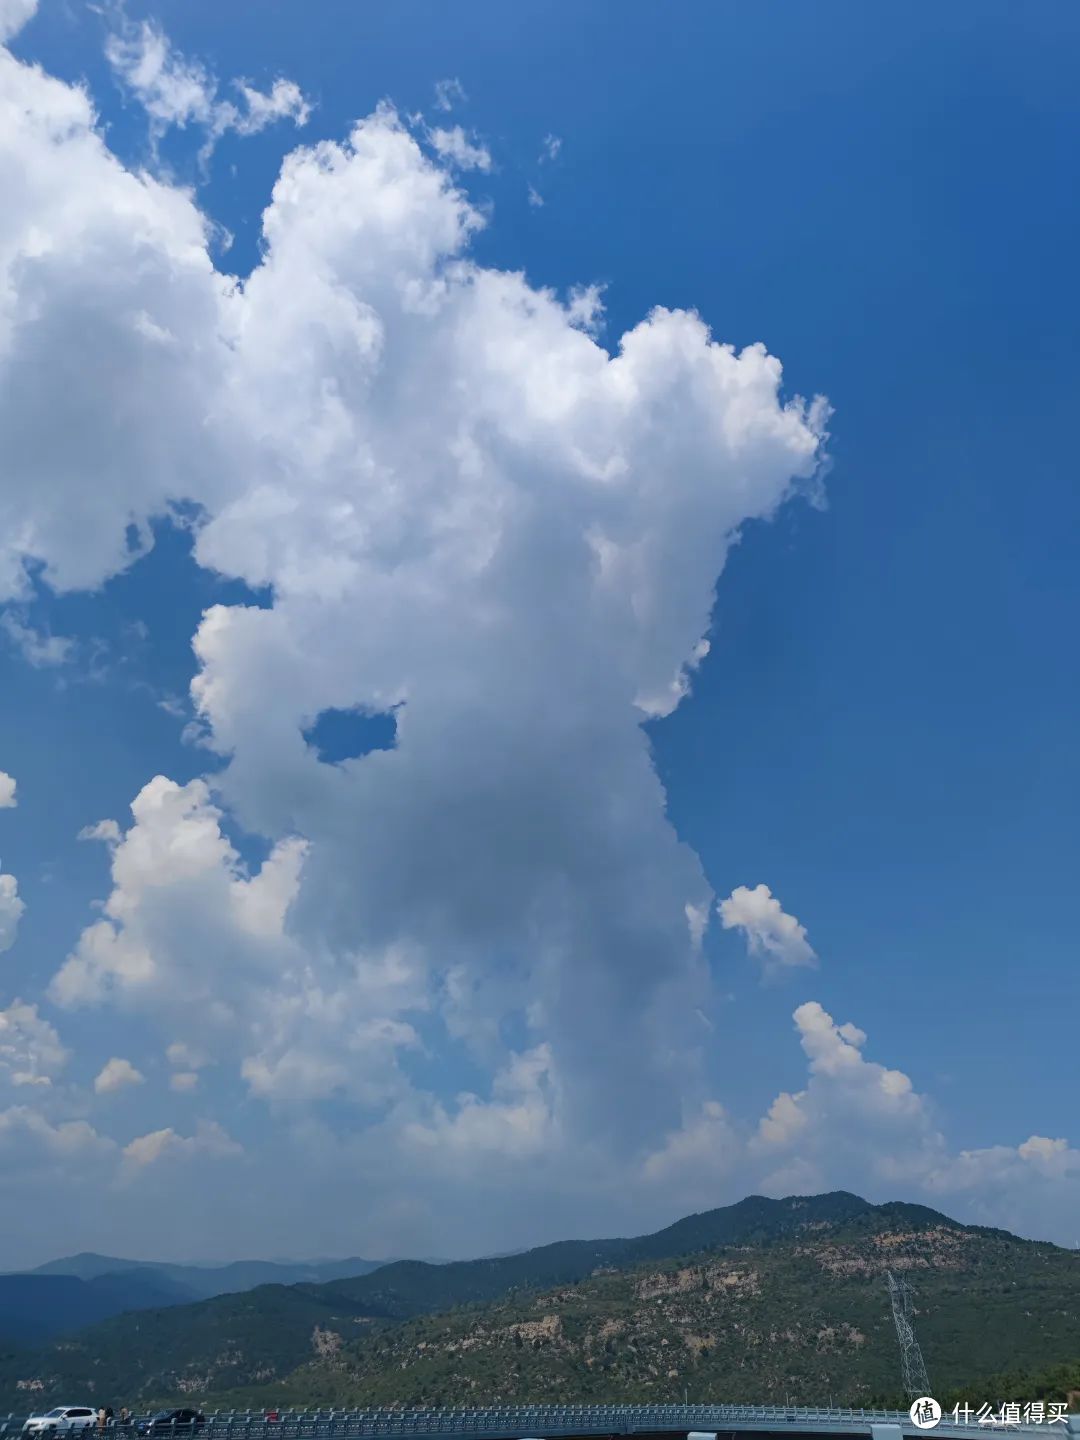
(482,950)
(466,509)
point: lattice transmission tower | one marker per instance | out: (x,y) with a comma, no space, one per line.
(916,1380)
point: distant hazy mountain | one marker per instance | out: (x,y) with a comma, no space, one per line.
(202,1282)
(67,1294)
(84,1266)
(35,1307)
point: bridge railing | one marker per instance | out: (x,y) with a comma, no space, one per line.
(510,1422)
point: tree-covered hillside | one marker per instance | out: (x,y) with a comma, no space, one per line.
(780,1300)
(804,1319)
(246,1339)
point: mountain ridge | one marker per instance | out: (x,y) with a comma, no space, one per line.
(202,1282)
(805,1317)
(260,1337)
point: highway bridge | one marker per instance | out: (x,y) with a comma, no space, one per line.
(582,1422)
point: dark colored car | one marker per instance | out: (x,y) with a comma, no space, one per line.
(167,1422)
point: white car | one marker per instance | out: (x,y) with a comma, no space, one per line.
(61,1420)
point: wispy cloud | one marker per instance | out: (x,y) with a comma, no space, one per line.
(448,93)
(455,146)
(37,647)
(177,91)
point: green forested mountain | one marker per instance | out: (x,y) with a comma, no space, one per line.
(267,1332)
(763,1300)
(805,1318)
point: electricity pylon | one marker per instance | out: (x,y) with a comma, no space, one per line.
(916,1380)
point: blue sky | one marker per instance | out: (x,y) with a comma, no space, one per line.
(882,731)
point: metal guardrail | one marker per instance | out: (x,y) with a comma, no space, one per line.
(516,1422)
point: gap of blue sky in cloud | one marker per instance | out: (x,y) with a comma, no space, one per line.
(493,971)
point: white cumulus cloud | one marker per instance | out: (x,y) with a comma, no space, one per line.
(855,1121)
(12,909)
(7,792)
(1033,1187)
(30,1050)
(173,854)
(209,1139)
(25,1129)
(233,979)
(14,14)
(470,512)
(770,932)
(532,527)
(117,1074)
(467,511)
(859,1125)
